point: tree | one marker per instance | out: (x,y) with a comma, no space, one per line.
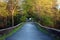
(11,7)
(3,15)
(44,11)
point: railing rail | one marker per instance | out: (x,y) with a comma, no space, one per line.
(48,27)
(10,27)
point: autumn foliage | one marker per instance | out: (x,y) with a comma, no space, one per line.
(43,11)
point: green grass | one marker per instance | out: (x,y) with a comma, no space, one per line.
(43,30)
(12,32)
(46,32)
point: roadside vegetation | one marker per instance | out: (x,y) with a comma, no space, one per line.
(11,31)
(13,12)
(10,13)
(44,12)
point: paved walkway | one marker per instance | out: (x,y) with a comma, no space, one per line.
(29,32)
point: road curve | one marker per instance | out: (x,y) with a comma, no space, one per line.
(29,32)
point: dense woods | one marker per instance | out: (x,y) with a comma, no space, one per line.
(10,13)
(43,11)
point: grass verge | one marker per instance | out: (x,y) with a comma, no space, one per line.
(47,32)
(12,32)
(42,29)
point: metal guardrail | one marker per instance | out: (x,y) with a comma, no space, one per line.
(53,32)
(10,27)
(48,27)
(34,22)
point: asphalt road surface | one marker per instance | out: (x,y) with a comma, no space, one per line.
(29,31)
